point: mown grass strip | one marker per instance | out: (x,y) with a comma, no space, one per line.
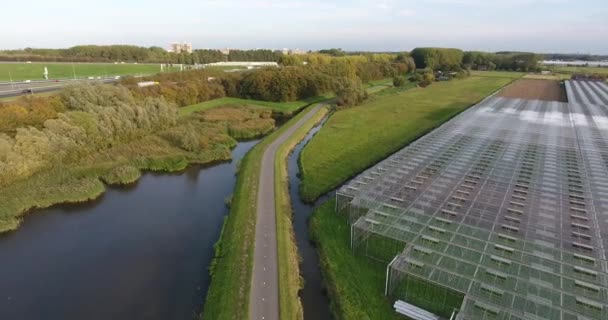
(290,281)
(356,138)
(228,295)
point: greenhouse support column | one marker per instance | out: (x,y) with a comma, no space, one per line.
(388,274)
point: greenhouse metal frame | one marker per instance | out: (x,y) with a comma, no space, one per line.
(506,206)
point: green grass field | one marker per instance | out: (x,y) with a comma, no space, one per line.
(498,74)
(34,71)
(285,107)
(356,138)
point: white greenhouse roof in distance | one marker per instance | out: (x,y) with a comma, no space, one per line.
(506,203)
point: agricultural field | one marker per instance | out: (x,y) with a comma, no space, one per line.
(578,69)
(283,107)
(498,74)
(355,138)
(533,89)
(34,71)
(555,76)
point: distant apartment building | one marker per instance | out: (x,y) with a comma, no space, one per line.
(293,51)
(180,47)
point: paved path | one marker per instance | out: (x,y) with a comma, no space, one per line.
(264,297)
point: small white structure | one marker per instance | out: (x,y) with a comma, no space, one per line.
(413,312)
(243,64)
(147,83)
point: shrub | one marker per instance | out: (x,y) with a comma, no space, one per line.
(399,81)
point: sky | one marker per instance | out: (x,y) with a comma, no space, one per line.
(567,26)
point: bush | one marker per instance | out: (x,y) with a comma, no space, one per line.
(350,92)
(124,174)
(427,79)
(399,81)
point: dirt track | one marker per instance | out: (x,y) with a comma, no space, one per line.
(531,89)
(264,297)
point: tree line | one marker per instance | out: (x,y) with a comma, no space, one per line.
(448,59)
(341,75)
(128,53)
(285,84)
(509,61)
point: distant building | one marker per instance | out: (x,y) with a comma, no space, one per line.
(180,47)
(286,51)
(225,51)
(297,51)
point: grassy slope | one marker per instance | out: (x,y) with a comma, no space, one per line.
(498,74)
(228,296)
(566,69)
(277,106)
(34,71)
(290,281)
(353,139)
(359,292)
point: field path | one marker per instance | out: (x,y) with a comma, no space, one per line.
(264,297)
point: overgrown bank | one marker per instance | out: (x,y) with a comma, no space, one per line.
(228,295)
(355,138)
(107,136)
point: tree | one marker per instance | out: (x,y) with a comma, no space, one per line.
(350,92)
(290,60)
(333,52)
(437,58)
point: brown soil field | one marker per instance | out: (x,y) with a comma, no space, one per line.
(533,89)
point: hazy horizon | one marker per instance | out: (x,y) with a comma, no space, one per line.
(543,26)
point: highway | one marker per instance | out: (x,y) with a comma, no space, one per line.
(12,89)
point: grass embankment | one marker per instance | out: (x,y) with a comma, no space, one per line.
(290,281)
(198,139)
(579,69)
(34,71)
(498,74)
(354,283)
(228,295)
(283,107)
(356,138)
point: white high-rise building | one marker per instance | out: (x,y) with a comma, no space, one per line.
(180,47)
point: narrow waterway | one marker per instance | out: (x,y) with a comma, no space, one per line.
(138,252)
(314,299)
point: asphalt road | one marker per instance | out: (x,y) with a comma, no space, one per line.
(8,89)
(264,295)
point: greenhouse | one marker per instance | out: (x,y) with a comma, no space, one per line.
(501,213)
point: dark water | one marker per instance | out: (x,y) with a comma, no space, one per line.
(314,300)
(136,253)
